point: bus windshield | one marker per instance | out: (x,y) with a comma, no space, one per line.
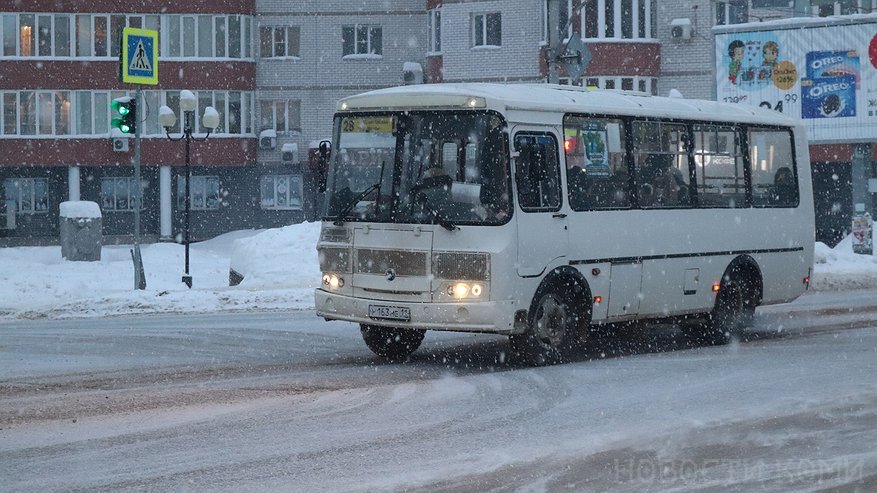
(447,168)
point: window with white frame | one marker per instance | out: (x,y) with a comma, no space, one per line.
(626,19)
(361,39)
(80,113)
(434,30)
(282,115)
(279,41)
(30,195)
(204,191)
(281,192)
(117,193)
(487,29)
(63,35)
(642,84)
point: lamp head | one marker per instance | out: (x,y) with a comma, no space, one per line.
(210,120)
(188,101)
(166,117)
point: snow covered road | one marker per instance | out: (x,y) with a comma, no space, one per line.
(286,402)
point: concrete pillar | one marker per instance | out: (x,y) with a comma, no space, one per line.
(73,183)
(164,193)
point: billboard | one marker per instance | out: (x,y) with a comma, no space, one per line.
(824,74)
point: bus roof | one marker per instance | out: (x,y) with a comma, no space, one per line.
(556,98)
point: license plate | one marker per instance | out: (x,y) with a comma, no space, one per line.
(389,312)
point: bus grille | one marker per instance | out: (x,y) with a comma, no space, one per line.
(334,259)
(461,266)
(403,263)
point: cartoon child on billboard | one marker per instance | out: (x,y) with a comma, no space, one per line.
(735,52)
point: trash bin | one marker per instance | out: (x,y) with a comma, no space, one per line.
(81,234)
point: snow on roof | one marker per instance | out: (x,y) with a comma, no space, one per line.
(561,99)
(80,209)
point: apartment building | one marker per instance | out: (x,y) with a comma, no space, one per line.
(312,54)
(275,70)
(60,70)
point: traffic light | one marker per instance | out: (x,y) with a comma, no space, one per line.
(126,108)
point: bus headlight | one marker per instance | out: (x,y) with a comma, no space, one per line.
(461,290)
(333,281)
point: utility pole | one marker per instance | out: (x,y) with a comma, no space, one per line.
(139,275)
(554,39)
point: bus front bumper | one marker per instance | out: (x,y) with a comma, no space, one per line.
(483,316)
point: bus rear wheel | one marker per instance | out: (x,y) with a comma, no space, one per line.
(729,316)
(555,331)
(391,343)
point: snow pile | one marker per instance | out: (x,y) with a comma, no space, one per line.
(279,258)
(838,268)
(280,269)
(36,282)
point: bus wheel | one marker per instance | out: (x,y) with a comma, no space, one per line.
(728,316)
(554,332)
(391,343)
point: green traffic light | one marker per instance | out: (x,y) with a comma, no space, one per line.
(123,110)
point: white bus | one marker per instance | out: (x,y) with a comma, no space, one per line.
(543,211)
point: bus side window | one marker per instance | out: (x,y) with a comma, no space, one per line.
(718,165)
(537,173)
(774,175)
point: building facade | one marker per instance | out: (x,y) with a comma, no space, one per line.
(60,66)
(275,70)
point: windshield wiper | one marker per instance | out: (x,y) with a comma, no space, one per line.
(439,217)
(339,221)
(443,221)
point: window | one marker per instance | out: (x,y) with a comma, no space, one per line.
(718,167)
(10,40)
(641,84)
(26,35)
(10,113)
(281,115)
(73,113)
(279,41)
(27,116)
(661,164)
(626,19)
(596,164)
(117,193)
(99,35)
(29,194)
(774,176)
(281,192)
(537,173)
(204,192)
(487,29)
(434,28)
(732,12)
(361,39)
(62,35)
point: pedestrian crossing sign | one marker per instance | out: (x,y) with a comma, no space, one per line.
(139,56)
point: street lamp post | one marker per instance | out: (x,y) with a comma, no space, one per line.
(167,118)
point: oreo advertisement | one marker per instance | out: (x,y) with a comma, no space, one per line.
(823,71)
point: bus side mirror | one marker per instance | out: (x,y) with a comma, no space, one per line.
(325,153)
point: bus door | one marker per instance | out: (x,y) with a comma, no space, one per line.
(542,227)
